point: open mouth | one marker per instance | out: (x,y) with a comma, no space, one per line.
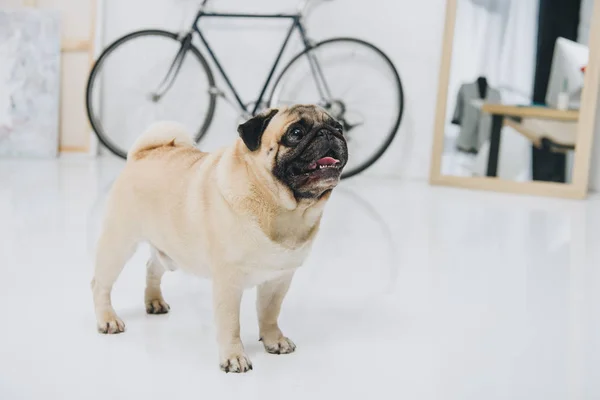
(327,162)
(324,162)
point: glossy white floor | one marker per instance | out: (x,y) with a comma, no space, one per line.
(412,292)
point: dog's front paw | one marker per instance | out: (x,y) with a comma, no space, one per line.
(236,362)
(280,345)
(157,306)
(109,323)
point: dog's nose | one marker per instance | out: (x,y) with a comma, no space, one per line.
(323,132)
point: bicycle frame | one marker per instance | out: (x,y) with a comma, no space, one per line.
(296,20)
(272,91)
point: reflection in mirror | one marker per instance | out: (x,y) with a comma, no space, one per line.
(514,93)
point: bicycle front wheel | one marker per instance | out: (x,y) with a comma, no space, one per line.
(357,84)
(130,87)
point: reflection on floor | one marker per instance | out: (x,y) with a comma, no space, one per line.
(427,293)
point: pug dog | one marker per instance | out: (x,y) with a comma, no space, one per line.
(243,216)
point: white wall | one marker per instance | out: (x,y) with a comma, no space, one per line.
(410,32)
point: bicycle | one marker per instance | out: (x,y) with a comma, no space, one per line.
(314,75)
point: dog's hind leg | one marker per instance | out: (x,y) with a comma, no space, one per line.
(155,269)
(115,247)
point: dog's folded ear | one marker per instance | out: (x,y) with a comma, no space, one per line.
(252,130)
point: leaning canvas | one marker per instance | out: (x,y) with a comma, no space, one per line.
(29,83)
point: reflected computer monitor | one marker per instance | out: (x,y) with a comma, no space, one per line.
(566,74)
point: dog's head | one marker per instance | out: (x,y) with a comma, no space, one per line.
(302,146)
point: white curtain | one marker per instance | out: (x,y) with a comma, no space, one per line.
(497,39)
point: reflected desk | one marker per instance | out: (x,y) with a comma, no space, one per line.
(546,128)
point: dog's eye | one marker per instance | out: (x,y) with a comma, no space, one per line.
(295,134)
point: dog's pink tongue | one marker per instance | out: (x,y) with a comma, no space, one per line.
(327,161)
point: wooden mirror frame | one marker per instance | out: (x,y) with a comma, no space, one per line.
(578,188)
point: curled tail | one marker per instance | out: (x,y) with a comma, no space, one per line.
(160,134)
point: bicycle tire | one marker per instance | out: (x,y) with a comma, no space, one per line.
(102,137)
(390,137)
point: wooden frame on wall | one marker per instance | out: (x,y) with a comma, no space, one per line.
(585,129)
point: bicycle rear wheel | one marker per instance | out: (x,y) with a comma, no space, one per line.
(362,89)
(121,95)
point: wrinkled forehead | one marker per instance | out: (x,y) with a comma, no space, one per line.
(307,114)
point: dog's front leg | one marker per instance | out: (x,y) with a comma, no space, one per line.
(227,296)
(270,296)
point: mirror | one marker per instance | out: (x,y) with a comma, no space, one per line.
(517,96)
